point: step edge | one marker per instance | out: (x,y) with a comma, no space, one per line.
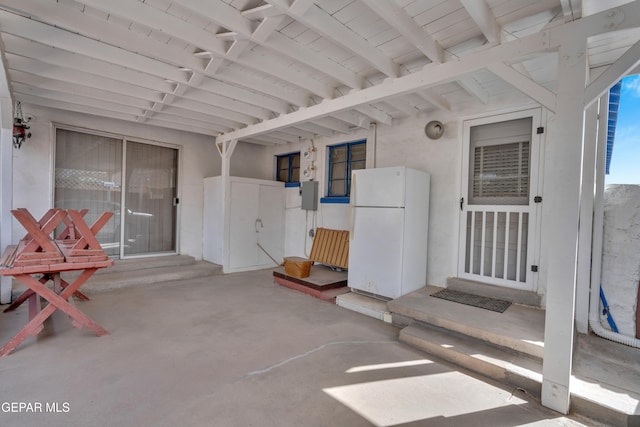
(581,404)
(513,354)
(494,338)
(108,285)
(508,373)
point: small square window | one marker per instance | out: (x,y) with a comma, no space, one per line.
(288,168)
(343,159)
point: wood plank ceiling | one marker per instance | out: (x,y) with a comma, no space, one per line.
(216,66)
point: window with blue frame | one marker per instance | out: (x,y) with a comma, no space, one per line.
(288,168)
(344,158)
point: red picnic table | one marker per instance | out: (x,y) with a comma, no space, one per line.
(76,248)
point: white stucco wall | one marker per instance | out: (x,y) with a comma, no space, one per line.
(621,255)
(403,144)
(33,167)
(250,161)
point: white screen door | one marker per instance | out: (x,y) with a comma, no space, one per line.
(498,214)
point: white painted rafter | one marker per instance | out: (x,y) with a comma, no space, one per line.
(227,103)
(326,25)
(72,75)
(165,115)
(483,17)
(234,119)
(297,132)
(472,87)
(431,75)
(97,27)
(571,9)
(625,64)
(297,97)
(398,19)
(266,36)
(435,99)
(333,124)
(532,89)
(314,128)
(61,86)
(402,106)
(78,108)
(376,115)
(265,140)
(264,63)
(66,40)
(285,136)
(627,16)
(76,61)
(155,18)
(181,113)
(353,118)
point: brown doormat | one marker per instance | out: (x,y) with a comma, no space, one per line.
(492,304)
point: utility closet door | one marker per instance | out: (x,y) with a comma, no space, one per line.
(498,221)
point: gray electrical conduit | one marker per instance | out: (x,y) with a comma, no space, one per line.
(596,270)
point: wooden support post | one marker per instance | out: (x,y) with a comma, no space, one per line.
(561,209)
(226,149)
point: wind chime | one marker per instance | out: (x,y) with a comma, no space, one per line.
(20,127)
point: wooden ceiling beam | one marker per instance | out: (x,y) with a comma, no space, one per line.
(398,19)
(327,26)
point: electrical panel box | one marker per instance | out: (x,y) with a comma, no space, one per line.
(309,192)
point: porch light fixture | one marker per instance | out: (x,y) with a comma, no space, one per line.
(20,127)
(434,129)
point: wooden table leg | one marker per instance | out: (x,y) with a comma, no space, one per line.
(26,294)
(55,302)
(34,305)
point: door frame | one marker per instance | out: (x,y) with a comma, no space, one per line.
(535,187)
(124,138)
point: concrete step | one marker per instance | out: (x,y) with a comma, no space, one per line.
(610,365)
(119,279)
(131,264)
(594,399)
(519,328)
(477,288)
(366,305)
(499,363)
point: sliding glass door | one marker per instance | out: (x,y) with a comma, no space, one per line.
(89,175)
(150,199)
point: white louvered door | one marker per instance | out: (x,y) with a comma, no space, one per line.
(498,221)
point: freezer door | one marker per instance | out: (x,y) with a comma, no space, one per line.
(381,187)
(375,251)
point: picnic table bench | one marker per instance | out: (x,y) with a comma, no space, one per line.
(37,254)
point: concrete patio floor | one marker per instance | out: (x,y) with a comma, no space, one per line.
(239,350)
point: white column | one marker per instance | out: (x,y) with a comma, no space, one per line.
(561,210)
(226,149)
(586,218)
(6,171)
(6,200)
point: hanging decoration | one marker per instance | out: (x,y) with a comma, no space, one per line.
(20,127)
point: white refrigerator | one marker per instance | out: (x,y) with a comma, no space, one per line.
(389,231)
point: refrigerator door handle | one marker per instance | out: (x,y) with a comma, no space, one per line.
(352,197)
